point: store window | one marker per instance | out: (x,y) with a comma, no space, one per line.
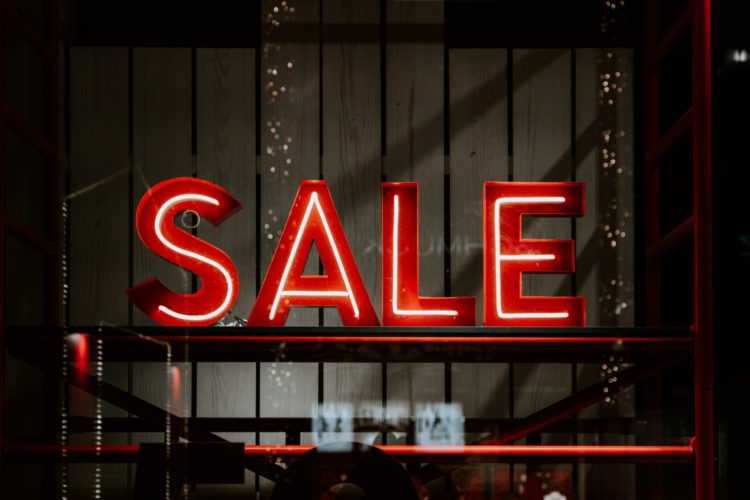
(406,249)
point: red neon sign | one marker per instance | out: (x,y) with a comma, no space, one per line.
(154,220)
(507,254)
(402,305)
(313,218)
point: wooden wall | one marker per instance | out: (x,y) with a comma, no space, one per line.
(337,102)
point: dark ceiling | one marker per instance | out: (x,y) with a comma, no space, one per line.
(468,23)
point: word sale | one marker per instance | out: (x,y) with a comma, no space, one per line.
(313,219)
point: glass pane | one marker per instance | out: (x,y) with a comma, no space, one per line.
(33,12)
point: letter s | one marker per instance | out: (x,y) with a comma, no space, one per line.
(156,228)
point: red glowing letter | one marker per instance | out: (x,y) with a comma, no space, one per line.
(402,305)
(507,255)
(154,220)
(313,217)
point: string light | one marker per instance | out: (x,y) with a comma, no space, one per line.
(615,224)
(168,424)
(610,370)
(279,375)
(99,367)
(64,483)
(278,88)
(64,296)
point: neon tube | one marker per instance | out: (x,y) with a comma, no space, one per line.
(500,257)
(280,292)
(394,286)
(157,228)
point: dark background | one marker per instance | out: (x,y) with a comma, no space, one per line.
(731,105)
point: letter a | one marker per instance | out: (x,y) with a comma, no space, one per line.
(313,218)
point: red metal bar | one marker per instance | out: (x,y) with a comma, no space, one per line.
(78,424)
(702,238)
(28,235)
(27,132)
(38,43)
(681,233)
(653,59)
(669,139)
(129,453)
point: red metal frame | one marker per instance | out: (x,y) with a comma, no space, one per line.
(567,453)
(696,16)
(46,142)
(702,243)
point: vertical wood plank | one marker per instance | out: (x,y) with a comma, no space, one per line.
(604,157)
(478,153)
(162,149)
(225,141)
(99,228)
(351,165)
(169,391)
(542,143)
(411,384)
(614,480)
(286,390)
(604,132)
(290,153)
(624,187)
(537,386)
(414,129)
(481,389)
(358,385)
(415,152)
(542,152)
(290,131)
(162,137)
(605,271)
(98,199)
(351,132)
(227,390)
(589,244)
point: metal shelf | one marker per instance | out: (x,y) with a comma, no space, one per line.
(344,344)
(649,350)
